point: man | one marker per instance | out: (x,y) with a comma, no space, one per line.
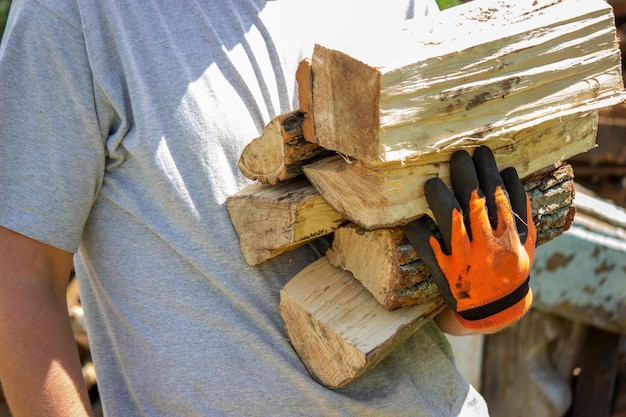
(120,127)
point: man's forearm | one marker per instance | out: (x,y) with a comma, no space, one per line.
(39,365)
(449,324)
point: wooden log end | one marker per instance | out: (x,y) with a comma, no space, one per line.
(263,159)
(329,359)
(280,152)
(346,103)
(338,329)
(272,219)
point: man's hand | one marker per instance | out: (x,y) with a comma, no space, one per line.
(481,264)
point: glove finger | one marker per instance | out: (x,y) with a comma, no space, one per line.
(489,179)
(442,202)
(464,181)
(517,197)
(419,235)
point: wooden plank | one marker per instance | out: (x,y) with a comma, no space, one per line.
(476,71)
(595,385)
(281,150)
(387,265)
(273,219)
(392,195)
(337,328)
(619,399)
(527,368)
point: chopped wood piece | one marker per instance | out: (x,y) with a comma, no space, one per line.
(281,150)
(475,72)
(304,78)
(337,328)
(263,234)
(273,219)
(391,195)
(387,265)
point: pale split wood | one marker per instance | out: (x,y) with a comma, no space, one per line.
(273,219)
(304,78)
(476,70)
(346,101)
(270,220)
(392,195)
(280,151)
(385,263)
(338,329)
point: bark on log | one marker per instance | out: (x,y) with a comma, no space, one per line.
(273,219)
(392,195)
(337,328)
(388,266)
(281,150)
(475,72)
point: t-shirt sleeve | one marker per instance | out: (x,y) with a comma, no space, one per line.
(52,147)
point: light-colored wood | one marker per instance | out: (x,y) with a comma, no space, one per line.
(273,219)
(280,151)
(304,78)
(387,265)
(338,328)
(475,72)
(391,195)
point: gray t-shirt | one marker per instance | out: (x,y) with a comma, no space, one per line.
(120,126)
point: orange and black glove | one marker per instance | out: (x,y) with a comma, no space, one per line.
(481,262)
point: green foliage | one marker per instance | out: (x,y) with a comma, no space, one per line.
(4,11)
(445,4)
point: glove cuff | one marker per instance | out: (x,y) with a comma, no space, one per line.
(500,312)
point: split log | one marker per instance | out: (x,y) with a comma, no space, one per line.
(304,78)
(338,328)
(271,220)
(387,265)
(281,150)
(392,195)
(477,71)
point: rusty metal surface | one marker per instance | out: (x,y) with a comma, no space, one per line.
(581,275)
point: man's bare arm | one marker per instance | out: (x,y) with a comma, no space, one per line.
(39,364)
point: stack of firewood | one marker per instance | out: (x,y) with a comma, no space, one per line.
(525,78)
